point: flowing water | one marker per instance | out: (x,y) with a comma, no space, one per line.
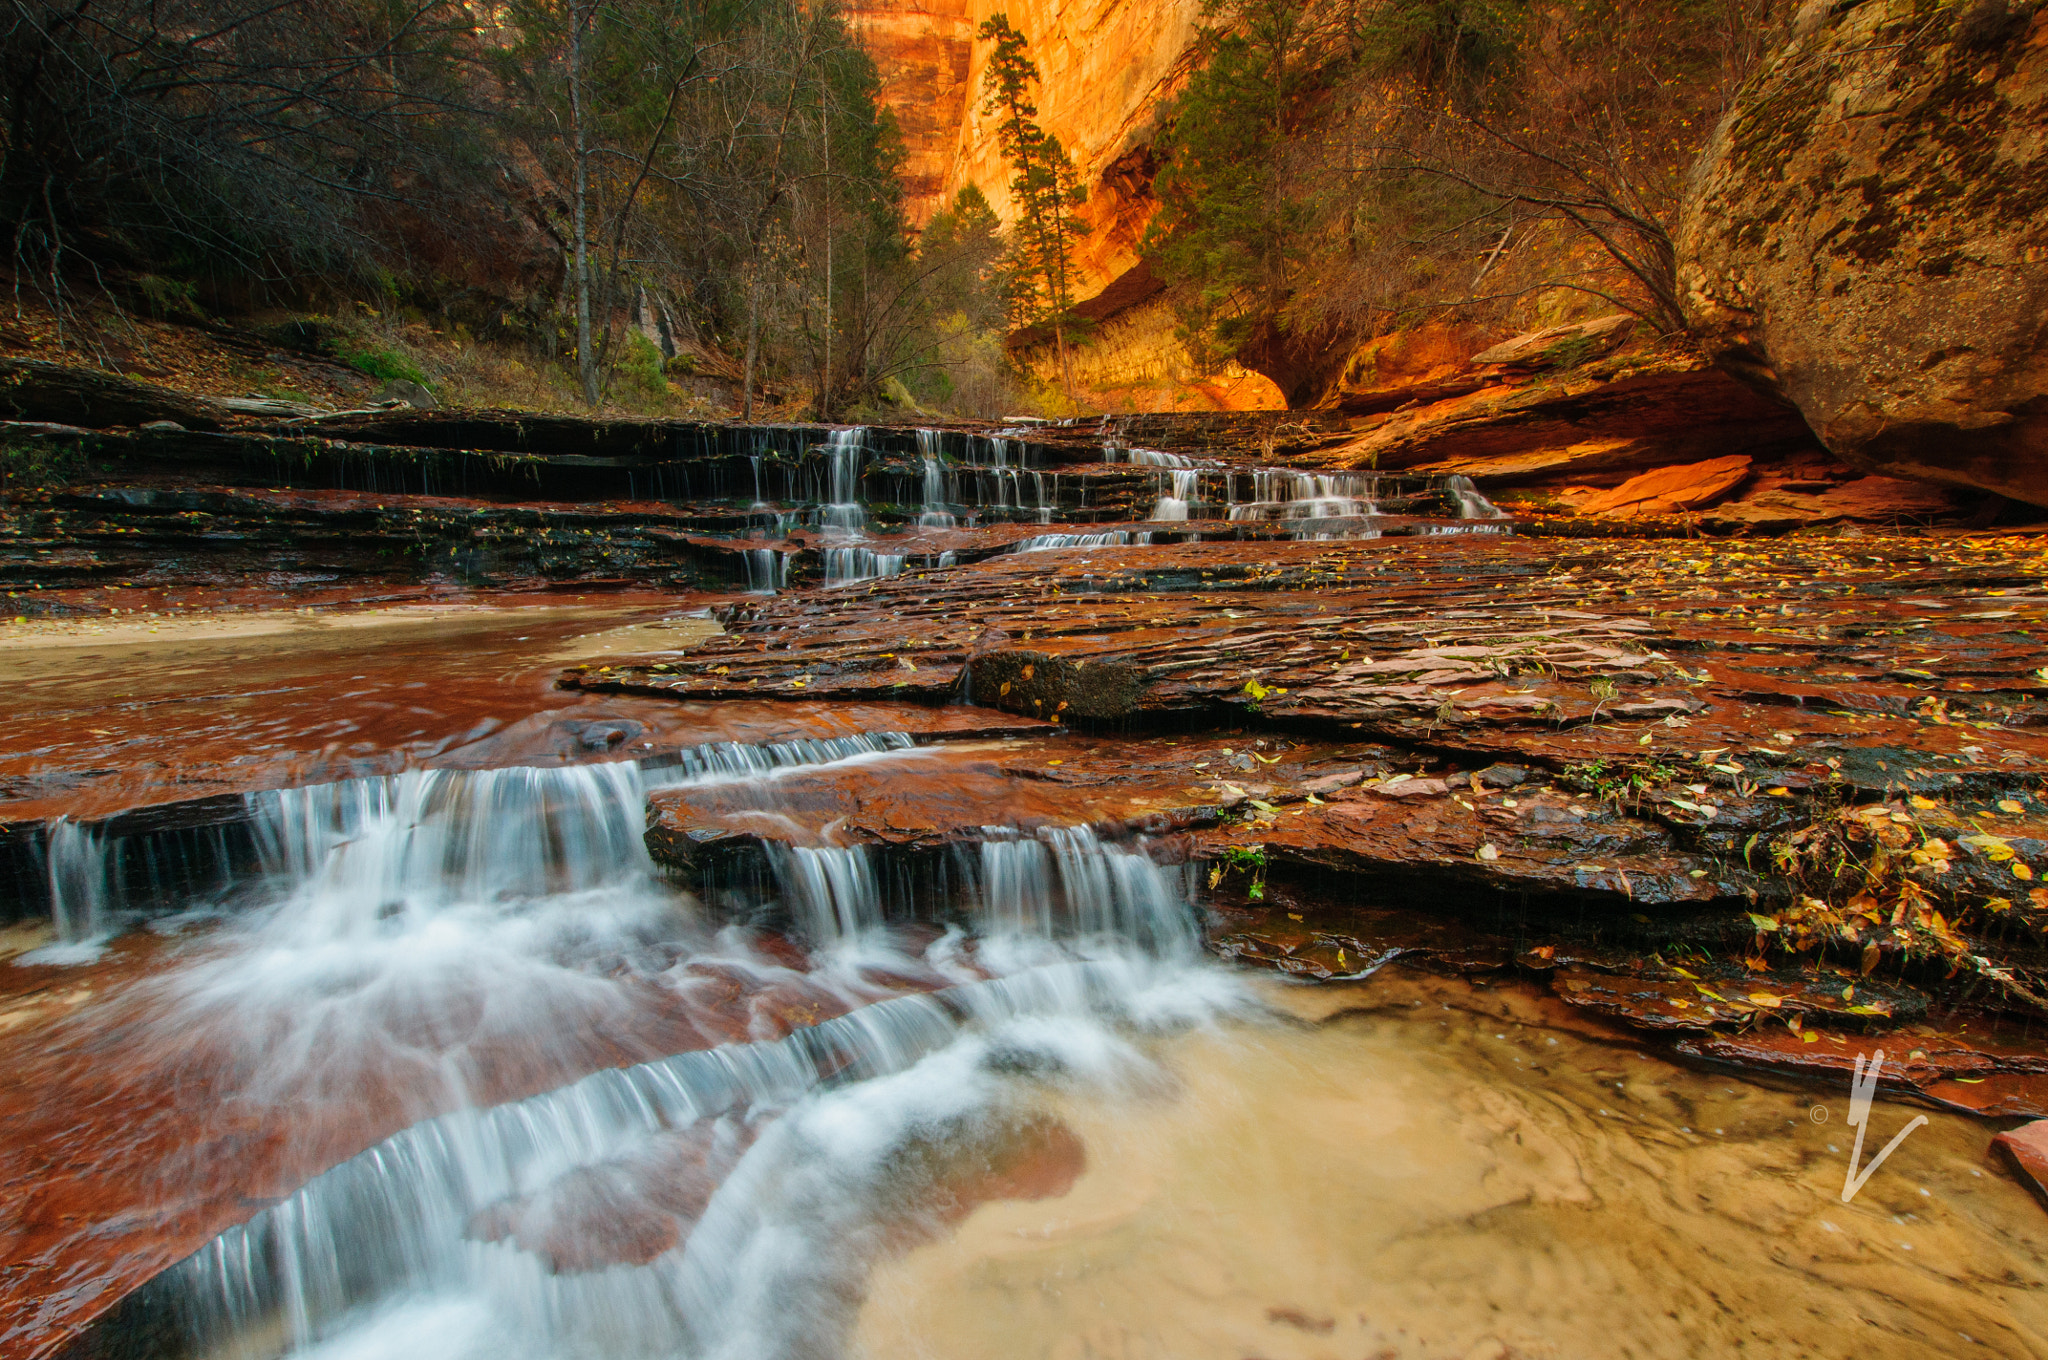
(431,1057)
(1421,1168)
(709,1203)
(1073,1137)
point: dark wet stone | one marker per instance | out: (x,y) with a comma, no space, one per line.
(1041,685)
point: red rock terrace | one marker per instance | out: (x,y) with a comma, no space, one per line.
(593,813)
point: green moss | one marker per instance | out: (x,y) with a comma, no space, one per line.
(379,361)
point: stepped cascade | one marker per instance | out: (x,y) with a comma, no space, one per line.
(1046,682)
(854,890)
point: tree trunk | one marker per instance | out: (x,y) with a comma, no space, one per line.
(753,332)
(586,356)
(825,376)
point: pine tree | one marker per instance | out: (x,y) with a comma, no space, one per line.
(1045,188)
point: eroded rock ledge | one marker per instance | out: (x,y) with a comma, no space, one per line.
(1718,790)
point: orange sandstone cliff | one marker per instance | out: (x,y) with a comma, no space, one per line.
(1107,68)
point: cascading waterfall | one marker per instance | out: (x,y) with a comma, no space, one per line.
(1471,505)
(732,760)
(406,1245)
(439,1237)
(84,882)
(100,881)
(846,566)
(1058,883)
(1182,489)
(1158,458)
(767,571)
(363,851)
(1066,882)
(937,496)
(1113,538)
(483,835)
(844,450)
(1279,494)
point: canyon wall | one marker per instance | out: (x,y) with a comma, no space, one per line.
(922,50)
(1107,69)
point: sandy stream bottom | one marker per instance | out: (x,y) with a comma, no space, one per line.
(1442,1172)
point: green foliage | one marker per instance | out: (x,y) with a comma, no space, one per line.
(1242,859)
(1044,185)
(170,297)
(964,290)
(1231,223)
(1620,781)
(1337,166)
(641,365)
(38,464)
(965,253)
(380,361)
(1451,46)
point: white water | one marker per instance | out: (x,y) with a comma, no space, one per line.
(1113,538)
(380,1257)
(83,873)
(1280,494)
(846,566)
(1471,505)
(1181,492)
(937,495)
(767,571)
(844,511)
(520,898)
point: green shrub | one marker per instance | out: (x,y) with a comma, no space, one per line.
(641,365)
(379,361)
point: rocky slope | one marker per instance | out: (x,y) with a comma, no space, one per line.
(1869,238)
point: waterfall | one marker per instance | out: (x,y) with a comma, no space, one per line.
(937,497)
(1281,494)
(767,571)
(833,890)
(846,566)
(1058,883)
(1158,458)
(432,1219)
(844,450)
(84,881)
(523,889)
(732,760)
(360,852)
(1182,489)
(99,882)
(1051,542)
(1066,882)
(1471,505)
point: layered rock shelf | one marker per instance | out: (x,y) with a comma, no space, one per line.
(1648,750)
(1754,798)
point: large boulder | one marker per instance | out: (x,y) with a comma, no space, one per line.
(1868,237)
(36,391)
